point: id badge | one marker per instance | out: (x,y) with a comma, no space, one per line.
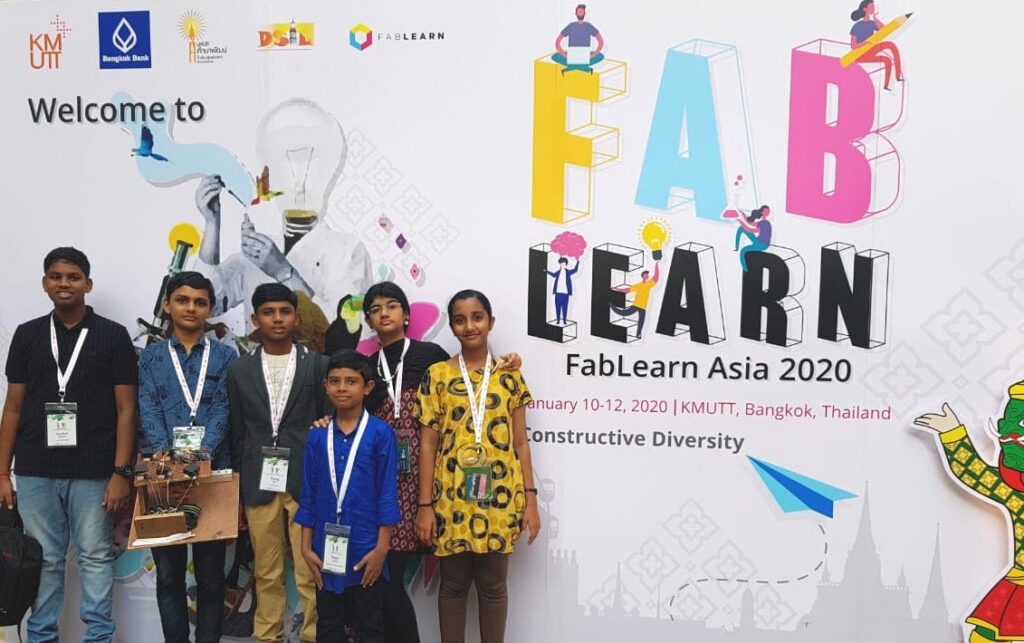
(336,548)
(479,487)
(188,438)
(404,465)
(274,476)
(61,424)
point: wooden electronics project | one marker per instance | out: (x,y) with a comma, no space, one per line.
(166,493)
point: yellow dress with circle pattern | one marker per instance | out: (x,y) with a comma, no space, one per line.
(443,406)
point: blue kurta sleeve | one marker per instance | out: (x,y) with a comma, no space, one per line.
(387,479)
(306,515)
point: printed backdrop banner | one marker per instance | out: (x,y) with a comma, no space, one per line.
(740,247)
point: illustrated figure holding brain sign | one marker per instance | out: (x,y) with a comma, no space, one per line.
(566,244)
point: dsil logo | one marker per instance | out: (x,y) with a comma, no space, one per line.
(286,35)
(125,40)
(360,37)
(44,49)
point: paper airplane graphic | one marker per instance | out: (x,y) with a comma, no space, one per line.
(795,492)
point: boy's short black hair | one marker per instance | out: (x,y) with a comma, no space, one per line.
(192,279)
(385,290)
(273,291)
(70,255)
(348,358)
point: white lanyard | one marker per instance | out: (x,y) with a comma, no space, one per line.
(193,402)
(340,492)
(394,385)
(64,376)
(477,405)
(277,405)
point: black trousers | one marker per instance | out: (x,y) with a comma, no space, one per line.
(399,614)
(361,608)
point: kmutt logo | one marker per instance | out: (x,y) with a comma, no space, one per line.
(360,37)
(45,49)
(125,40)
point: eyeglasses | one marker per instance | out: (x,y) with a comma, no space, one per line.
(391,307)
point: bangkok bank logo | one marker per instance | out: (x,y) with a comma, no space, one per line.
(45,49)
(360,37)
(286,35)
(125,40)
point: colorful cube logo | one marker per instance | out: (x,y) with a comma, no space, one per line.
(360,37)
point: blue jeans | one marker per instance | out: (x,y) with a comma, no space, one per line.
(56,510)
(172,597)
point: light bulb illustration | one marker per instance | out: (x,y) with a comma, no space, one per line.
(304,148)
(655,234)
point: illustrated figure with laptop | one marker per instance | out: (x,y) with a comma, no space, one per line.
(578,55)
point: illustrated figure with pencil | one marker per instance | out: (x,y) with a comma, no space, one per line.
(868,42)
(999,616)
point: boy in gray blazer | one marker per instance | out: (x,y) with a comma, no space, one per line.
(275,396)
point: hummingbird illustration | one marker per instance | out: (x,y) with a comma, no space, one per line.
(263,192)
(145,147)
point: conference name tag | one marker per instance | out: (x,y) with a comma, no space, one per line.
(336,548)
(479,486)
(404,464)
(188,438)
(61,424)
(274,475)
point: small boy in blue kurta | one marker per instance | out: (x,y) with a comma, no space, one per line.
(353,503)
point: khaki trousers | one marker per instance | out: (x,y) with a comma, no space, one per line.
(267,525)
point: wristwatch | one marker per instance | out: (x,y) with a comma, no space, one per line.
(127,472)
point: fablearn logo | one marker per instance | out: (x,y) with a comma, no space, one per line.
(125,40)
(360,37)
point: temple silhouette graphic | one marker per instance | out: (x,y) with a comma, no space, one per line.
(859,608)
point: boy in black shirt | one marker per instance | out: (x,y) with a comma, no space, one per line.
(69,424)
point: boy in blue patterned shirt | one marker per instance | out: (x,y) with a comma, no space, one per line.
(183,400)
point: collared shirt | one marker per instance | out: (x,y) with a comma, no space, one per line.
(370,503)
(162,404)
(107,360)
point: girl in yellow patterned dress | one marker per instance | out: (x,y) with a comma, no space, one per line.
(479,495)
